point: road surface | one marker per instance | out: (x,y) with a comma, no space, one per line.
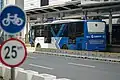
(72,68)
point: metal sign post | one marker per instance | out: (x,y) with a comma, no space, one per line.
(12,73)
(13,51)
(12,69)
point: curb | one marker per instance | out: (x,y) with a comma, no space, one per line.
(93,55)
(79,56)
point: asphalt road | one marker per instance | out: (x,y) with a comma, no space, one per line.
(72,68)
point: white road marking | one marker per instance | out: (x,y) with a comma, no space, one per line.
(31,57)
(90,66)
(34,65)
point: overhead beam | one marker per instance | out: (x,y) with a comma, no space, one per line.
(58,12)
(101,8)
(66,7)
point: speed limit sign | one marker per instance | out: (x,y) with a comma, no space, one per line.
(13,52)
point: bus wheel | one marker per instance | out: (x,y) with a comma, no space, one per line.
(38,46)
(64,47)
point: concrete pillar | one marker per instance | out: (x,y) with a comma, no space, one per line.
(28,23)
(42,18)
(61,15)
(27,31)
(45,18)
(110,27)
(85,15)
(20,3)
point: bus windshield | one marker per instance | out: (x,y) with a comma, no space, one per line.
(96,27)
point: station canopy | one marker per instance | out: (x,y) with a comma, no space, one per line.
(55,8)
(100,8)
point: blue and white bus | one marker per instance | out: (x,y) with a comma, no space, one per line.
(69,34)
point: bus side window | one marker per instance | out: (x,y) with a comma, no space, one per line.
(47,34)
(39,31)
(56,28)
(76,29)
(65,31)
(79,29)
(71,33)
(71,30)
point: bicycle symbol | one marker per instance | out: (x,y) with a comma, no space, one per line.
(14,19)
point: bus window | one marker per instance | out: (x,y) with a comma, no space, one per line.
(71,33)
(56,28)
(47,34)
(79,29)
(39,31)
(71,29)
(59,30)
(76,29)
(65,31)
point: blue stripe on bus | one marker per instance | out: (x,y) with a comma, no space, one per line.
(61,30)
(64,40)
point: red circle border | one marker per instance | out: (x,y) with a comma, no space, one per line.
(12,66)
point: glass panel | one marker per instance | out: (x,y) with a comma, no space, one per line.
(76,29)
(39,31)
(47,34)
(65,31)
(56,28)
(47,31)
(79,29)
(71,30)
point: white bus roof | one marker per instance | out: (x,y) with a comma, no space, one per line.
(61,21)
(40,24)
(66,21)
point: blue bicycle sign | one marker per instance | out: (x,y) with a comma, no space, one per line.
(12,19)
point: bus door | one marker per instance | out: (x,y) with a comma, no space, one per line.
(76,34)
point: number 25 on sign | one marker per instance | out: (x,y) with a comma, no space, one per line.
(11,52)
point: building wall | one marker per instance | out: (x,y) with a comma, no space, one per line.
(9,2)
(57,2)
(20,3)
(31,4)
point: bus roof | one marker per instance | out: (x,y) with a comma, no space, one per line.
(61,21)
(66,21)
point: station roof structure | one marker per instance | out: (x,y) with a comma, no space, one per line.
(55,8)
(101,7)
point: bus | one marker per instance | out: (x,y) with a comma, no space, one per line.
(73,34)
